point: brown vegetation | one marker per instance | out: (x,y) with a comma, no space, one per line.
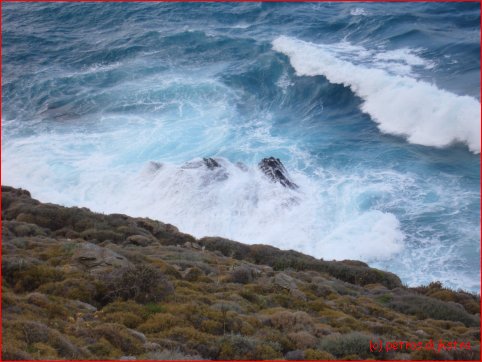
(81,285)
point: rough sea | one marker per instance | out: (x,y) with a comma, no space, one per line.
(374,109)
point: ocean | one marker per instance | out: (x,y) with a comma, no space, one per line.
(373,108)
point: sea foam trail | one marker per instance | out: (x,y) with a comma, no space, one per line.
(400,105)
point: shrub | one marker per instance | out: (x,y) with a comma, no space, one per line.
(194,274)
(153,308)
(119,337)
(276,338)
(227,247)
(71,288)
(203,343)
(471,302)
(125,306)
(23,229)
(127,319)
(35,332)
(429,355)
(241,347)
(314,354)
(160,322)
(302,339)
(142,283)
(289,321)
(425,307)
(264,351)
(101,235)
(166,355)
(42,351)
(243,275)
(102,348)
(212,327)
(353,343)
(31,278)
(253,297)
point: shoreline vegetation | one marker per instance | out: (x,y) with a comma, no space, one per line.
(83,285)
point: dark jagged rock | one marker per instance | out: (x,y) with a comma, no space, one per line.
(217,170)
(276,172)
(211,163)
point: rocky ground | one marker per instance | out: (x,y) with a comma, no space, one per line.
(82,285)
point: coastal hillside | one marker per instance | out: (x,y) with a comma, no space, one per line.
(82,285)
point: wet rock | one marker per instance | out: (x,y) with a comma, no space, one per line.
(211,163)
(241,166)
(154,167)
(273,168)
(216,170)
(208,162)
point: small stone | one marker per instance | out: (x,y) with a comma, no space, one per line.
(298,294)
(85,306)
(421,332)
(97,259)
(151,347)
(140,336)
(138,240)
(284,281)
(295,355)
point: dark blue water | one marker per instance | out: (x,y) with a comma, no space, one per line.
(373,108)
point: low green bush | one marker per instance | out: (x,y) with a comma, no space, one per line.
(425,307)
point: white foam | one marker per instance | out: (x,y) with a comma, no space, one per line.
(373,235)
(407,55)
(83,170)
(358,12)
(400,105)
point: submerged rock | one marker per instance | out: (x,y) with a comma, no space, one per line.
(216,171)
(276,172)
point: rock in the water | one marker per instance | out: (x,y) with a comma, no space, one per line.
(276,172)
(154,166)
(211,163)
(216,170)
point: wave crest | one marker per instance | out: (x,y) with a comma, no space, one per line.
(401,105)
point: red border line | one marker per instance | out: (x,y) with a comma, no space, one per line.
(227,1)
